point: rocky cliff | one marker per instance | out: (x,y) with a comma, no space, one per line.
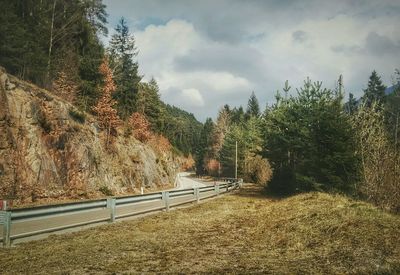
(50,150)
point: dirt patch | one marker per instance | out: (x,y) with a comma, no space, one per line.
(240,233)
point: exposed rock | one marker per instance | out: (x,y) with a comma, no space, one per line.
(45,153)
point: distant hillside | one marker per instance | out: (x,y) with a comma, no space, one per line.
(391,89)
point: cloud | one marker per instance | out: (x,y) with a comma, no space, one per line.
(299,36)
(380,45)
(217,51)
(192,97)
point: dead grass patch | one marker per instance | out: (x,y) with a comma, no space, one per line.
(240,233)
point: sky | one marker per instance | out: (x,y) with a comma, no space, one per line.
(208,53)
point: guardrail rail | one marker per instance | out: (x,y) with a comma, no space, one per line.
(107,210)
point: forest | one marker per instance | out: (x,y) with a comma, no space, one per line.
(311,138)
(56,45)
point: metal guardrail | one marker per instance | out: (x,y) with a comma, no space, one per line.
(8,216)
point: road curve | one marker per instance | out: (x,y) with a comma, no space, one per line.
(183,181)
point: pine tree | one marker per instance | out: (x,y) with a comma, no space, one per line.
(202,149)
(253,108)
(237,115)
(122,51)
(375,90)
(351,104)
(310,142)
(106,114)
(148,103)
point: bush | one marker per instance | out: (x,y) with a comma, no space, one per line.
(106,191)
(379,159)
(77,116)
(259,170)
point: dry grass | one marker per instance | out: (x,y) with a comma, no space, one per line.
(241,233)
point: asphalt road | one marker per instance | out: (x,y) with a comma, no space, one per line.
(102,215)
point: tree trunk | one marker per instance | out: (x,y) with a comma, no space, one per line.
(51,40)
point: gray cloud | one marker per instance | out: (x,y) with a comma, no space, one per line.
(348,50)
(379,45)
(262,43)
(299,36)
(241,61)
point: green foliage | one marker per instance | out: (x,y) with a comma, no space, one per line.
(392,112)
(253,108)
(148,102)
(181,128)
(39,39)
(351,104)
(203,146)
(310,143)
(249,143)
(122,50)
(375,90)
(77,115)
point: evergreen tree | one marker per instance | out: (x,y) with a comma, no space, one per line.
(40,39)
(375,90)
(310,143)
(181,128)
(148,102)
(122,51)
(237,115)
(253,108)
(249,138)
(202,149)
(392,112)
(351,104)
(219,132)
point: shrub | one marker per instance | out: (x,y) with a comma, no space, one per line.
(106,191)
(379,160)
(259,170)
(77,115)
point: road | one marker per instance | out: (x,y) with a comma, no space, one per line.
(185,182)
(102,215)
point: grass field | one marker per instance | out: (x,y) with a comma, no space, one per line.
(246,232)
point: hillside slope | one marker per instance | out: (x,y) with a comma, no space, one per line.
(242,233)
(49,150)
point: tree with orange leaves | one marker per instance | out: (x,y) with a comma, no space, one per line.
(107,116)
(141,127)
(213,167)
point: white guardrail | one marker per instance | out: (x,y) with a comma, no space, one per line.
(165,199)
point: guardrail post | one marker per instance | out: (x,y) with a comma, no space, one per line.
(165,198)
(5,219)
(216,188)
(111,206)
(197,194)
(7,229)
(240,183)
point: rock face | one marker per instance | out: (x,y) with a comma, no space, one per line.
(46,151)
